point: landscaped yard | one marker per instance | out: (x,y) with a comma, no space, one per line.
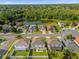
(44,53)
(22,53)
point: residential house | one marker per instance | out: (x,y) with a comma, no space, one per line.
(50,28)
(6,28)
(31,26)
(54,44)
(41,27)
(38,44)
(26,25)
(17,24)
(71,45)
(21,45)
(75,24)
(20,29)
(66,43)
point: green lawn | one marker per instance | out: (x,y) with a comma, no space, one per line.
(44,53)
(37,32)
(77,29)
(20,58)
(0,57)
(77,53)
(22,53)
(39,58)
(59,55)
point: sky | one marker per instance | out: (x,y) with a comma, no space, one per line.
(38,1)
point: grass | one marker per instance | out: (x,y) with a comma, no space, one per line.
(57,28)
(37,32)
(77,29)
(44,53)
(11,51)
(39,58)
(77,53)
(50,23)
(0,57)
(20,58)
(58,56)
(22,53)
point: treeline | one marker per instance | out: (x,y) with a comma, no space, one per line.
(20,13)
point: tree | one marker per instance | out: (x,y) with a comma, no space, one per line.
(69,55)
(2,39)
(0,28)
(19,37)
(69,37)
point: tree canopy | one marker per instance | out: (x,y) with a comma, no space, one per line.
(20,13)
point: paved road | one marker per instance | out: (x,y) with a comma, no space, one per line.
(62,33)
(32,35)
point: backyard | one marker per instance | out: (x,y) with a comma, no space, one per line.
(21,53)
(39,58)
(59,55)
(20,58)
(43,53)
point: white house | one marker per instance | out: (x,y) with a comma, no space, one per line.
(38,44)
(54,44)
(21,45)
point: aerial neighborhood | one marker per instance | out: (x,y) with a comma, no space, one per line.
(39,32)
(36,41)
